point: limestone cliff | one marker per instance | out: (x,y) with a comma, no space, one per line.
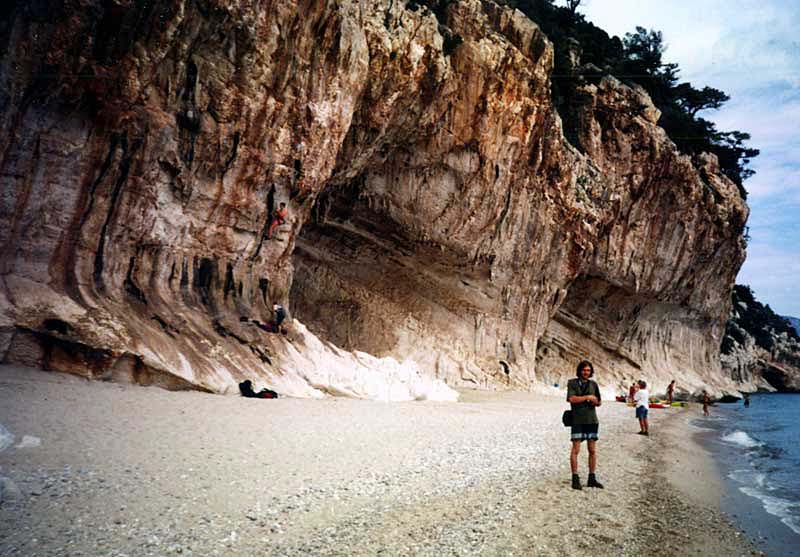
(760,349)
(437,214)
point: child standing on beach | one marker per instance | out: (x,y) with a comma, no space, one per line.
(583,394)
(642,400)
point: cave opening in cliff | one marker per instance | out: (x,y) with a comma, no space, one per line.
(506,369)
(596,321)
(204,278)
(366,279)
(56,325)
(342,253)
(230,282)
(53,353)
(775,377)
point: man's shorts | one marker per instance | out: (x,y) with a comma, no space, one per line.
(641,412)
(586,432)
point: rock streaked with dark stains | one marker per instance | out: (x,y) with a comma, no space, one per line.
(489,249)
(441,214)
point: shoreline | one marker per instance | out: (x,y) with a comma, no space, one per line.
(750,466)
(693,491)
(128,470)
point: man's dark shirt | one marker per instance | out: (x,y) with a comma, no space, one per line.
(584,412)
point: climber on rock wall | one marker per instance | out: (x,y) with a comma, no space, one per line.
(278,218)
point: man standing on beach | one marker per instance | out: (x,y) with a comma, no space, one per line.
(670,391)
(584,396)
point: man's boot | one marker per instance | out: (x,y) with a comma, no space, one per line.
(576,482)
(593,482)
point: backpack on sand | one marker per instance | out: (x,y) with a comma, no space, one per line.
(246,389)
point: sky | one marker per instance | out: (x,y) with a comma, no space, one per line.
(751,50)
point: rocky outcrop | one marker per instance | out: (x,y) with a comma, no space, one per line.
(510,256)
(438,216)
(757,369)
(760,349)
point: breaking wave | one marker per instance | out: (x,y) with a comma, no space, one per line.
(742,439)
(784,509)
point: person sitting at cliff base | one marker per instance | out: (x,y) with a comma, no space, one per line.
(279,217)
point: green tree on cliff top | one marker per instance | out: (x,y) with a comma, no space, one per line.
(638,58)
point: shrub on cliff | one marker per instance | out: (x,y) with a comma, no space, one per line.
(638,58)
(758,320)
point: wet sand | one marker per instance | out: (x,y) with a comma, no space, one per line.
(125,470)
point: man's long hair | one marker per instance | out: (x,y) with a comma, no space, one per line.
(582,365)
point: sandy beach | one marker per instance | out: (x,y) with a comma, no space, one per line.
(110,469)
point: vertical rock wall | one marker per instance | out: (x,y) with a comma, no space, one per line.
(436,211)
(493,251)
(145,146)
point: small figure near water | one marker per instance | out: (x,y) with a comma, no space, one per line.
(642,399)
(670,391)
(631,391)
(747,400)
(706,402)
(583,394)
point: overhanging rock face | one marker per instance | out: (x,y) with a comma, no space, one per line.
(437,214)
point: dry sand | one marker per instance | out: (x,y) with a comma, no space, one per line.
(126,470)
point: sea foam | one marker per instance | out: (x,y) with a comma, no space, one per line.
(6,439)
(782,508)
(742,439)
(748,477)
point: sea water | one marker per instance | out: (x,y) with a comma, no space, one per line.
(758,451)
